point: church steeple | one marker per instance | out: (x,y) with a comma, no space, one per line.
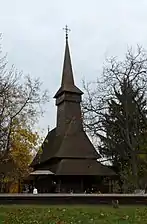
(67,75)
(67,83)
(68,97)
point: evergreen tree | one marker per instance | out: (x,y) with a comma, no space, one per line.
(114,111)
(125,130)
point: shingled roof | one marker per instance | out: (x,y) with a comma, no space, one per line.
(83,167)
(77,145)
(48,149)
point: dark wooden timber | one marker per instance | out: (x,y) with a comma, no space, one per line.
(67,150)
(73,199)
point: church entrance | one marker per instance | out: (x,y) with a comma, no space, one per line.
(69,184)
(81,184)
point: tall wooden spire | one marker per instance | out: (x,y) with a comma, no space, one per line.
(68,97)
(67,75)
(67,83)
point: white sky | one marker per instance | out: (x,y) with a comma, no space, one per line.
(34,40)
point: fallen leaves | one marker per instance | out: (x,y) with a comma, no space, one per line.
(75,215)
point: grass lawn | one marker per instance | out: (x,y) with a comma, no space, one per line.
(73,215)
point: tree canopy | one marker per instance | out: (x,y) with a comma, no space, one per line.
(115,112)
(21,105)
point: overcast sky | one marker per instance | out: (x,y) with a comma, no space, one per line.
(34,39)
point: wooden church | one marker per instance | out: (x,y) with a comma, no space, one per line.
(68,161)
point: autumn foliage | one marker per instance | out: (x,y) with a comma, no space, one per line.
(21,105)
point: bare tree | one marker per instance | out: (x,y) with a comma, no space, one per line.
(98,94)
(131,73)
(21,98)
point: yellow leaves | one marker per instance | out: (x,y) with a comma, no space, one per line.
(6,179)
(23,143)
(142,156)
(14,187)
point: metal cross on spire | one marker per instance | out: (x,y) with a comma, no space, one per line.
(67,30)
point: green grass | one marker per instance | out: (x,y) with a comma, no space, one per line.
(73,215)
